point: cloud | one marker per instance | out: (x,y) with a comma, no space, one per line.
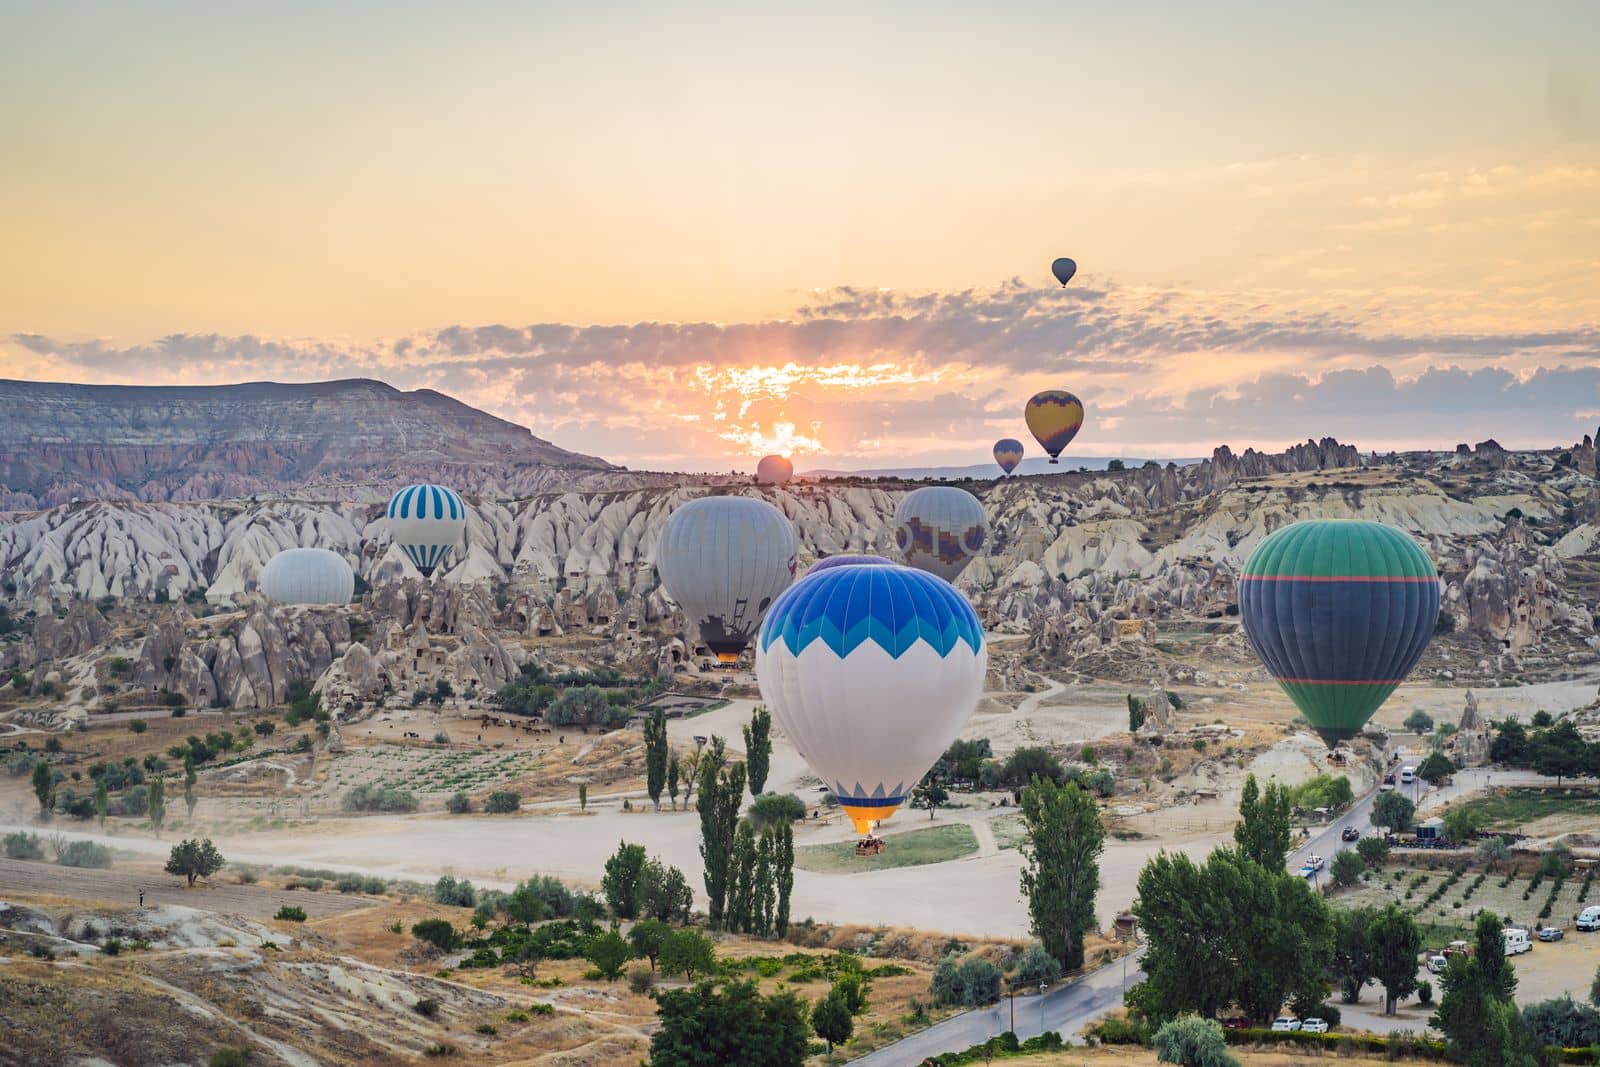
(861,374)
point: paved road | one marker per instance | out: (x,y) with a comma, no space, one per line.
(1066,1009)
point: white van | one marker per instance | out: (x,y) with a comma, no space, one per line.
(1517,941)
(1408,774)
(1589,919)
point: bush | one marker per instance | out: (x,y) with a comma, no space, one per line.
(291,913)
(641,980)
(456,894)
(85,854)
(1419,722)
(427,1007)
(370,797)
(969,984)
(138,726)
(1193,1042)
(458,804)
(1347,868)
(437,932)
(1037,967)
(772,809)
(1424,992)
(230,1057)
(24,846)
(441,738)
(488,1029)
(503,802)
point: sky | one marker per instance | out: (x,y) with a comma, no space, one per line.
(681,236)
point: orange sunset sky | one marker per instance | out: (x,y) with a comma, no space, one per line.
(681,236)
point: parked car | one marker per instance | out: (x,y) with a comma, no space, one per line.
(1236,1022)
(1588,920)
(1283,1023)
(1437,963)
(1314,1026)
(1351,833)
(1388,781)
(1551,933)
(1408,774)
(1316,863)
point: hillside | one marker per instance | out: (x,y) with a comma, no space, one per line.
(60,442)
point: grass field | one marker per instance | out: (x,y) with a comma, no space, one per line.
(932,845)
(1515,808)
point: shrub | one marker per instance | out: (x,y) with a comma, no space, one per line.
(488,1029)
(368,797)
(374,886)
(138,726)
(503,802)
(441,738)
(437,932)
(1424,992)
(641,980)
(438,1051)
(1037,967)
(291,913)
(609,953)
(85,854)
(24,846)
(229,1057)
(456,894)
(968,984)
(458,804)
(771,809)
(1193,1042)
(311,885)
(348,883)
(427,1007)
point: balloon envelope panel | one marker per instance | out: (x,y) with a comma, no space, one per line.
(940,529)
(1339,611)
(828,563)
(1008,453)
(1054,418)
(774,470)
(725,559)
(308,576)
(426,521)
(871,672)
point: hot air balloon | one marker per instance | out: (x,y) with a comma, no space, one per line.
(774,470)
(871,672)
(828,563)
(308,576)
(725,559)
(1054,417)
(1064,269)
(1008,453)
(1339,611)
(426,521)
(939,528)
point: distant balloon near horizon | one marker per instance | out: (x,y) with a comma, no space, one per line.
(828,563)
(426,521)
(725,559)
(1054,417)
(774,470)
(1064,269)
(1339,611)
(308,576)
(871,672)
(939,529)
(1008,453)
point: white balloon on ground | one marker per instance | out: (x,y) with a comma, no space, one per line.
(426,521)
(940,529)
(871,671)
(725,559)
(308,576)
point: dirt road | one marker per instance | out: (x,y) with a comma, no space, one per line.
(122,887)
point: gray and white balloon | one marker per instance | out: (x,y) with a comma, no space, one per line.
(724,559)
(940,529)
(308,576)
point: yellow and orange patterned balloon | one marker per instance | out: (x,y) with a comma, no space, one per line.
(1054,417)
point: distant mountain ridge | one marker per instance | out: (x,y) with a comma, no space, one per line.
(991,469)
(60,441)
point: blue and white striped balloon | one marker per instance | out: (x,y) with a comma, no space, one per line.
(426,521)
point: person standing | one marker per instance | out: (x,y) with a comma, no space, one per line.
(141,898)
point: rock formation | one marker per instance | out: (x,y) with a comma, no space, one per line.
(1469,747)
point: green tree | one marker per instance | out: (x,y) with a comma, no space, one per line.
(1263,827)
(783,876)
(620,883)
(1396,942)
(583,796)
(931,795)
(102,802)
(1489,954)
(1394,811)
(664,893)
(189,779)
(1435,768)
(688,953)
(609,953)
(1061,850)
(1419,722)
(763,895)
(741,875)
(1594,989)
(1461,824)
(158,805)
(1193,1042)
(832,1020)
(758,749)
(648,937)
(1492,852)
(1374,850)
(1036,967)
(672,781)
(524,905)
(729,1024)
(1030,762)
(1352,951)
(436,932)
(1136,713)
(44,785)
(721,790)
(195,859)
(1347,868)
(656,755)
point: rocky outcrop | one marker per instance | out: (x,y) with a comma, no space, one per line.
(81,630)
(1469,747)
(1159,719)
